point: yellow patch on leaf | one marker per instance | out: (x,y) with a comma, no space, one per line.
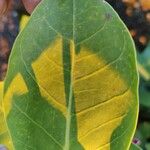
(48,69)
(98,87)
(17,86)
(4,135)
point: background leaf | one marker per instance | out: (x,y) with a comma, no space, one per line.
(24,20)
(144,70)
(135,147)
(145,62)
(142,134)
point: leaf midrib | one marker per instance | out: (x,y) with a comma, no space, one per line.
(69,107)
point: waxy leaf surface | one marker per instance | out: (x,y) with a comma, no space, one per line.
(72,79)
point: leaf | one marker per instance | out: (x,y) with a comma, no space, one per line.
(4,136)
(1,91)
(145,130)
(144,93)
(144,70)
(144,63)
(147,146)
(23,21)
(135,147)
(72,79)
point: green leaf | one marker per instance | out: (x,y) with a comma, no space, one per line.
(145,130)
(144,70)
(4,136)
(135,147)
(144,63)
(72,79)
(144,93)
(147,146)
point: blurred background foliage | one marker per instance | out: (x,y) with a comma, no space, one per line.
(136,16)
